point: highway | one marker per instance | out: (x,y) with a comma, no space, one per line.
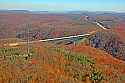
(45,40)
(60,38)
(101,26)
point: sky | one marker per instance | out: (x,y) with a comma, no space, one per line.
(64,5)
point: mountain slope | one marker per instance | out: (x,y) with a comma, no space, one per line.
(113,68)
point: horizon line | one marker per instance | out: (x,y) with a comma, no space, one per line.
(62,10)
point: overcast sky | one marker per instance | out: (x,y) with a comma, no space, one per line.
(64,5)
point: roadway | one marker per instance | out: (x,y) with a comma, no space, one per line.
(59,38)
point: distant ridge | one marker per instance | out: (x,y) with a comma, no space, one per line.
(14,11)
(72,12)
(22,11)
